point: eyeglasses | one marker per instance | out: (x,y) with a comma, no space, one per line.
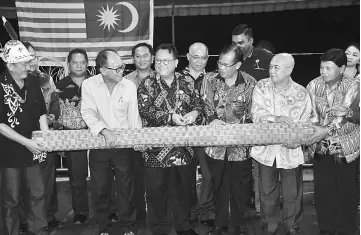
(118,70)
(195,57)
(165,62)
(220,64)
(276,67)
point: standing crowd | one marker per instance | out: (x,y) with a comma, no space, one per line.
(157,186)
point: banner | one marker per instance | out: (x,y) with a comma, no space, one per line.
(55,27)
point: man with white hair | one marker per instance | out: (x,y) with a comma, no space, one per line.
(22,111)
(279,99)
(198,58)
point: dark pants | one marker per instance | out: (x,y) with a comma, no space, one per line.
(77,162)
(336,194)
(169,192)
(31,178)
(231,182)
(203,206)
(292,194)
(138,173)
(100,163)
(51,195)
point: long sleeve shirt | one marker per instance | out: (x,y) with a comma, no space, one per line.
(293,102)
(157,103)
(344,143)
(102,110)
(230,104)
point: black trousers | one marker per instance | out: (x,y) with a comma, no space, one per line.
(292,194)
(336,194)
(31,178)
(231,182)
(138,173)
(169,192)
(101,163)
(202,206)
(51,195)
(77,162)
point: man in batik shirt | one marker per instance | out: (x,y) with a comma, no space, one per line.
(69,89)
(336,146)
(168,99)
(227,97)
(279,99)
(198,58)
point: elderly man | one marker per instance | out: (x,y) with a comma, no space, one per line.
(227,99)
(279,99)
(22,111)
(168,99)
(110,102)
(336,145)
(198,57)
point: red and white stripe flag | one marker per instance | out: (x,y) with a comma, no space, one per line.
(55,27)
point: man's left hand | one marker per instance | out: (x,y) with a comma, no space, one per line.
(190,117)
(320,133)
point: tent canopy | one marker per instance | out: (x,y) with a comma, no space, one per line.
(164,8)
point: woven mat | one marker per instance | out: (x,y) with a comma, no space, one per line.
(229,135)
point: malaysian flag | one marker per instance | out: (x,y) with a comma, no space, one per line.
(55,27)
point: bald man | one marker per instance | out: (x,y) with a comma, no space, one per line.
(278,99)
(203,206)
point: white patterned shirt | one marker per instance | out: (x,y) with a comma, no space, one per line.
(294,102)
(100,109)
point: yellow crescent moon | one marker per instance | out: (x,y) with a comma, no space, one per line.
(135,17)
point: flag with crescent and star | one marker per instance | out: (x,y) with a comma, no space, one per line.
(55,27)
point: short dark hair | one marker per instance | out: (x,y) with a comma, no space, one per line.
(28,44)
(170,48)
(143,44)
(232,48)
(354,44)
(102,58)
(242,29)
(335,55)
(264,44)
(77,51)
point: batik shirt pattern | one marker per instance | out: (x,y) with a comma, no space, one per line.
(229,104)
(153,92)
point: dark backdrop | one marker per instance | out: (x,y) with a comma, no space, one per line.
(297,31)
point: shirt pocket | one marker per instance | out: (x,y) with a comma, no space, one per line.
(121,106)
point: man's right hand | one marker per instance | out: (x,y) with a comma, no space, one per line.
(34,146)
(283,120)
(216,124)
(110,138)
(178,119)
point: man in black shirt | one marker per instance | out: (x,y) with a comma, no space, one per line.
(70,100)
(256,63)
(22,111)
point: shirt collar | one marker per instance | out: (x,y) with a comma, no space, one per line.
(239,79)
(10,80)
(187,71)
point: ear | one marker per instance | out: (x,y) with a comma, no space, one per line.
(103,71)
(176,63)
(152,59)
(10,66)
(342,69)
(188,56)
(251,41)
(238,65)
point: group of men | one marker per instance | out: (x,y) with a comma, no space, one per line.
(250,85)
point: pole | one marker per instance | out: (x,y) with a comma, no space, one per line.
(173,27)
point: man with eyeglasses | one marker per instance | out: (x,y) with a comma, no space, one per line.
(256,63)
(168,98)
(110,102)
(202,207)
(278,99)
(70,98)
(143,56)
(227,99)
